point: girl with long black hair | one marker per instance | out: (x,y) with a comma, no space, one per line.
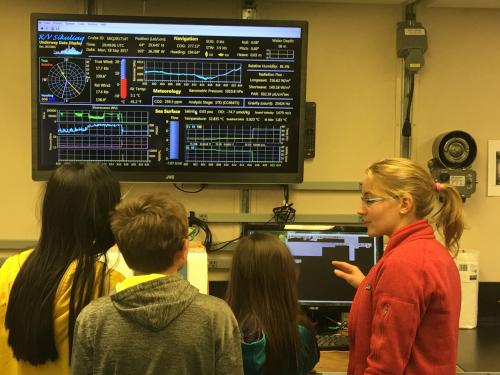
(43,290)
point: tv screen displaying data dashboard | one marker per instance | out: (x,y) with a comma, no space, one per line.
(169,99)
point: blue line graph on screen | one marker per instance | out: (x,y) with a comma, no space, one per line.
(169,71)
(102,136)
(199,76)
(87,128)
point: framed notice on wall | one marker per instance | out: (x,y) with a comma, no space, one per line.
(493,168)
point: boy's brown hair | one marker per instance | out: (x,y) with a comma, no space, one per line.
(149,231)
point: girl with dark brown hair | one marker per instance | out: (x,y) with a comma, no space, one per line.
(277,338)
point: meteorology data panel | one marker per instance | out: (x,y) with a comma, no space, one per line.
(170,101)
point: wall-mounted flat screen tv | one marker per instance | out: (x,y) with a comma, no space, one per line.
(169,99)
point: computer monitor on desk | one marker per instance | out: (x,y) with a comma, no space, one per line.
(314,247)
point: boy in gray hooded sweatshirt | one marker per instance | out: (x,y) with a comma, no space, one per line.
(156,322)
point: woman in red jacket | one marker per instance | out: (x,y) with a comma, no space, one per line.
(404,317)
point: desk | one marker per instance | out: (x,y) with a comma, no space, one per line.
(469,359)
(332,361)
(479,349)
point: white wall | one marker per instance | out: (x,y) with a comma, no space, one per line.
(354,77)
(458,90)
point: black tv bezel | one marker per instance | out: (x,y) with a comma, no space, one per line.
(320,227)
(215,177)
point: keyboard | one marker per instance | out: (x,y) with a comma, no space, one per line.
(331,341)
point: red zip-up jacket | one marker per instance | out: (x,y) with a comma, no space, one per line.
(404,317)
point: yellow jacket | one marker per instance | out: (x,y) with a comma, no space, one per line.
(8,364)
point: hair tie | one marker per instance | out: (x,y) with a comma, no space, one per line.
(437,187)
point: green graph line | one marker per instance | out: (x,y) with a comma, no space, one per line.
(231,138)
(119,116)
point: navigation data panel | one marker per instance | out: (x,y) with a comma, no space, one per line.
(170,99)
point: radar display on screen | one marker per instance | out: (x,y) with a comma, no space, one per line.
(169,99)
